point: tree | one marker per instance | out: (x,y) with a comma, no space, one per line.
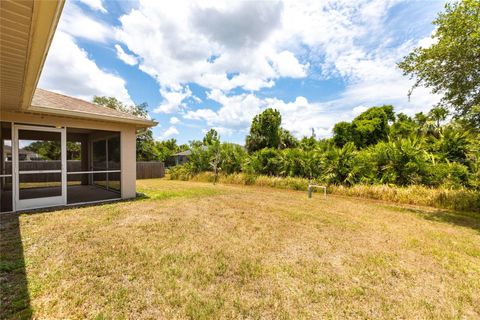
(372,126)
(438,114)
(212,142)
(342,133)
(451,65)
(454,145)
(166,149)
(211,137)
(287,140)
(110,102)
(366,129)
(47,150)
(231,158)
(146,149)
(264,131)
(403,127)
(215,158)
(139,110)
(309,143)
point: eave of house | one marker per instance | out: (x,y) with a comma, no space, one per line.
(27,29)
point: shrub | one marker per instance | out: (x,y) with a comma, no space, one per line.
(179,172)
(232,157)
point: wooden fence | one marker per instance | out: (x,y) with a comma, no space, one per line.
(150,169)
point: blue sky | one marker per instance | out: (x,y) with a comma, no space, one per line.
(217,64)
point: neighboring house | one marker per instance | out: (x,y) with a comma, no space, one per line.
(31,116)
(23,155)
(182,157)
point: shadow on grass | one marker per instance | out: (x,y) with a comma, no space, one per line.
(458,218)
(14,296)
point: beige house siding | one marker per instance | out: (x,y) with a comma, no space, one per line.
(127,139)
(129,164)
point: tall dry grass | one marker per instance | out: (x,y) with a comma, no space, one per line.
(459,199)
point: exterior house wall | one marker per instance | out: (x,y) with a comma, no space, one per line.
(181,159)
(128,161)
(127,139)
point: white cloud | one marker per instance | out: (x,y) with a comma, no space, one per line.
(70,71)
(196,99)
(357,110)
(233,47)
(96,5)
(301,116)
(173,100)
(240,25)
(79,24)
(223,131)
(236,112)
(170,132)
(125,57)
(174,120)
(287,65)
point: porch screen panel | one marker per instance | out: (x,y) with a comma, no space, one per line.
(39,164)
(6,194)
(113,147)
(99,162)
(94,174)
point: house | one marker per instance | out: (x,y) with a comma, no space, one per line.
(55,126)
(182,157)
(23,155)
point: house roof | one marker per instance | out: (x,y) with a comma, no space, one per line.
(183,153)
(45,101)
(8,149)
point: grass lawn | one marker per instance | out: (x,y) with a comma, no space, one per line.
(194,250)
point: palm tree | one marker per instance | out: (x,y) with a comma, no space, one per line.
(438,114)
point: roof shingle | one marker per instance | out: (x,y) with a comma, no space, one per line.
(50,100)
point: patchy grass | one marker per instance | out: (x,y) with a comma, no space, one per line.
(198,251)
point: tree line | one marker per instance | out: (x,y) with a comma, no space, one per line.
(378,146)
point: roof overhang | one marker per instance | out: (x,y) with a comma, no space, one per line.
(139,122)
(27,29)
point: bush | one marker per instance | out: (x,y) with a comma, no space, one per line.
(266,162)
(179,172)
(232,157)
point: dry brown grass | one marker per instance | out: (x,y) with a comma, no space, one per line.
(443,198)
(193,250)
